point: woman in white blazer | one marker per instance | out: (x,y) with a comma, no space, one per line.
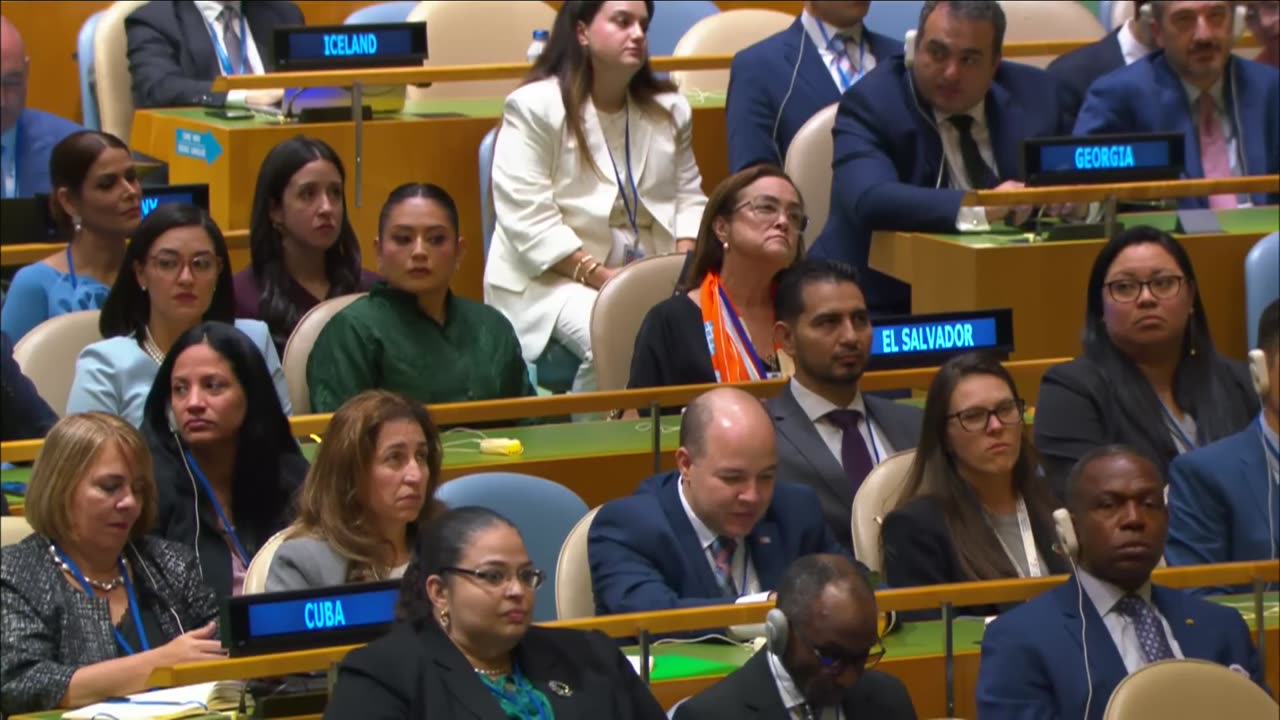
(593,168)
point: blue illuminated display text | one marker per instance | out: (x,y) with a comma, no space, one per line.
(934,337)
(350,45)
(304,46)
(1083,156)
(151,202)
(335,612)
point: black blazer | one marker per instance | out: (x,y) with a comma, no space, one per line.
(171,55)
(918,551)
(1079,68)
(751,692)
(26,414)
(416,673)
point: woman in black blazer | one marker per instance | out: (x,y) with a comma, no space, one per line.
(1149,376)
(466,647)
(974,506)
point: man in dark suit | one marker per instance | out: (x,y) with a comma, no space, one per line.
(777,84)
(1125,45)
(27,136)
(176,49)
(1227,107)
(823,642)
(1033,661)
(717,530)
(1224,503)
(921,130)
(830,434)
(26,415)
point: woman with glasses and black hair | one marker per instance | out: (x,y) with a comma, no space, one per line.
(176,274)
(466,646)
(750,231)
(975,506)
(1149,376)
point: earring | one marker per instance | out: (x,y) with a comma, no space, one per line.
(444,620)
(144,288)
(75,223)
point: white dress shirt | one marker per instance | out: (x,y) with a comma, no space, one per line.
(1130,48)
(816,407)
(1224,119)
(1120,627)
(861,56)
(211,9)
(792,699)
(740,564)
(971,218)
(9,162)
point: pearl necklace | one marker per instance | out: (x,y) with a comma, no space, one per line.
(492,673)
(107,586)
(152,349)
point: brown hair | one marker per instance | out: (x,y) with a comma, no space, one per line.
(331,504)
(69,165)
(66,457)
(708,252)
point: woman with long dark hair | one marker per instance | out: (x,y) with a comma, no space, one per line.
(226,463)
(1149,376)
(301,243)
(593,168)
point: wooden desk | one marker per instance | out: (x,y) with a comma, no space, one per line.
(1045,283)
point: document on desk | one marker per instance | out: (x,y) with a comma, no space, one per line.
(188,701)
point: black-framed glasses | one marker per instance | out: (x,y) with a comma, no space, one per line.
(837,661)
(1161,287)
(976,419)
(767,209)
(497,578)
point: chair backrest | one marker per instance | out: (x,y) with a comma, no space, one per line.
(672,19)
(1187,690)
(808,162)
(13,529)
(487,217)
(620,309)
(876,497)
(383,12)
(47,354)
(463,32)
(1261,282)
(724,32)
(542,510)
(297,349)
(111,69)
(1029,21)
(255,576)
(84,61)
(574,596)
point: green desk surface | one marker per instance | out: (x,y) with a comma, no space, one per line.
(1261,220)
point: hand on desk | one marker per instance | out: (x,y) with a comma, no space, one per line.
(1010,215)
(263,98)
(196,646)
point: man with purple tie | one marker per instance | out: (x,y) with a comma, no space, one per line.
(830,434)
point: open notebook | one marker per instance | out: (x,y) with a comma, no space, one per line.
(177,702)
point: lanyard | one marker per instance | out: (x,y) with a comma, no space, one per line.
(1273,453)
(223,59)
(217,508)
(522,686)
(742,333)
(1028,544)
(841,51)
(632,204)
(128,588)
(71,267)
(1179,434)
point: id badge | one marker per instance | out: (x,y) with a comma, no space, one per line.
(632,253)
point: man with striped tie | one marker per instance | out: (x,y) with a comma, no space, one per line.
(718,529)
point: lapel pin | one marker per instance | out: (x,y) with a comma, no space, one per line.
(765,540)
(1191,621)
(559,688)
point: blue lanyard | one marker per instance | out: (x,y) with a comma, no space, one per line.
(217,508)
(128,588)
(631,205)
(71,267)
(1176,427)
(842,52)
(742,333)
(522,685)
(223,59)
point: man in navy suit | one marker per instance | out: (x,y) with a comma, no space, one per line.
(1227,107)
(1224,498)
(26,136)
(1125,45)
(718,529)
(1034,657)
(910,139)
(777,84)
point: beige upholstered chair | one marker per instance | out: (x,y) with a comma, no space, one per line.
(876,497)
(1189,690)
(13,530)
(1121,12)
(465,32)
(255,576)
(111,69)
(298,348)
(620,309)
(808,163)
(724,33)
(574,596)
(47,354)
(1028,21)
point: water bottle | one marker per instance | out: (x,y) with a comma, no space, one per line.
(537,46)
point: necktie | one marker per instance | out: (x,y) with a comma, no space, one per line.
(1149,629)
(980,175)
(853,449)
(1214,159)
(801,712)
(722,553)
(231,39)
(843,60)
(9,179)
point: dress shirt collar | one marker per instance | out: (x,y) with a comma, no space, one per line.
(1193,96)
(815,406)
(815,27)
(706,535)
(383,289)
(1130,47)
(1104,595)
(9,141)
(977,112)
(787,690)
(211,9)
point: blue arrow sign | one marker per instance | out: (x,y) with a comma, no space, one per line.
(198,145)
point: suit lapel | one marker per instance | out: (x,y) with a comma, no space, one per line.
(794,425)
(1003,124)
(881,412)
(1106,667)
(1193,640)
(459,678)
(1253,464)
(768,556)
(932,157)
(197,42)
(1172,102)
(759,689)
(1235,95)
(640,142)
(596,144)
(550,676)
(813,74)
(1115,54)
(692,554)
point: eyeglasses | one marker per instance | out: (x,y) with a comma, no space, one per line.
(171,264)
(838,661)
(976,419)
(767,209)
(497,578)
(1162,287)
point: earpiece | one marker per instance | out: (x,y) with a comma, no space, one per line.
(173,424)
(776,630)
(1066,531)
(909,48)
(139,563)
(777,120)
(1258,371)
(909,58)
(1147,15)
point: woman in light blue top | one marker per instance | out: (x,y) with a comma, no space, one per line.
(176,274)
(96,204)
